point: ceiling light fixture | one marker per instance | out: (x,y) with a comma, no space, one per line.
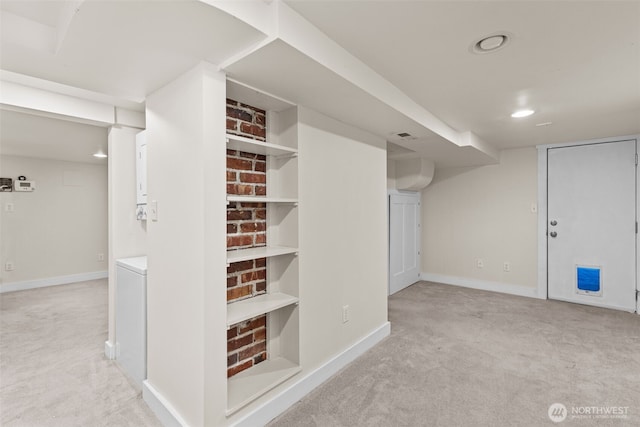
(490,43)
(522,113)
(100,155)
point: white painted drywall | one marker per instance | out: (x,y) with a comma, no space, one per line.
(186,246)
(60,228)
(343,235)
(127,236)
(391,174)
(483,212)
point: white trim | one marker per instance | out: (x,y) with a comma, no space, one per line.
(485,285)
(52,281)
(161,407)
(542,222)
(286,398)
(109,350)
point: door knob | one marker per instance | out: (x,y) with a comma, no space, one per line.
(554,222)
(553,234)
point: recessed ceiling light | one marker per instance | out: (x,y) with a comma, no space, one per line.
(100,155)
(522,113)
(490,43)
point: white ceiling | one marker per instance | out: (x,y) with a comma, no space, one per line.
(28,135)
(577,63)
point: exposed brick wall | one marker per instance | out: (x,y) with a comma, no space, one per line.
(246,228)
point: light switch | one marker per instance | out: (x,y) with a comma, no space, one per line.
(152,211)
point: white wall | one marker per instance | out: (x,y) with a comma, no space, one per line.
(343,235)
(186,295)
(60,228)
(483,212)
(127,236)
(391,174)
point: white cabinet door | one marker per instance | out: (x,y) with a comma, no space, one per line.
(591,216)
(404,240)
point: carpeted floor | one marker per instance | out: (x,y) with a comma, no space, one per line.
(462,357)
(53,371)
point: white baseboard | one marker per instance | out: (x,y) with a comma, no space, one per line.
(109,350)
(166,413)
(52,281)
(267,411)
(485,285)
(280,403)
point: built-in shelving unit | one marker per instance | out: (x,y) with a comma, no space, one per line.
(249,308)
(253,383)
(235,142)
(281,301)
(260,252)
(261,199)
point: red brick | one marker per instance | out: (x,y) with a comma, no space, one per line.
(239,164)
(254,178)
(260,166)
(231,124)
(240,189)
(252,108)
(232,281)
(261,262)
(246,128)
(260,190)
(232,359)
(261,239)
(258,131)
(232,102)
(254,205)
(261,287)
(253,350)
(259,358)
(239,368)
(239,240)
(231,176)
(261,213)
(253,276)
(232,153)
(232,333)
(237,113)
(246,155)
(232,228)
(260,119)
(235,293)
(256,323)
(235,215)
(252,227)
(236,343)
(261,157)
(239,266)
(260,335)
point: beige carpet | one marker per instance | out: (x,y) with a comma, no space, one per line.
(53,371)
(461,357)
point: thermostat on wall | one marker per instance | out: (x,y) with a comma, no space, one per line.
(24,185)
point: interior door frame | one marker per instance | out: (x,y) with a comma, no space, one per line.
(391,191)
(543,151)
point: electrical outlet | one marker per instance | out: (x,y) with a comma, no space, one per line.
(9,207)
(506,267)
(345,313)
(100,257)
(479,263)
(8,266)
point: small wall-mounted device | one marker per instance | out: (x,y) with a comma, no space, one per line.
(24,185)
(6,184)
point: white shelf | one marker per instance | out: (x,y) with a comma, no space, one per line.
(235,142)
(249,308)
(248,385)
(260,199)
(261,252)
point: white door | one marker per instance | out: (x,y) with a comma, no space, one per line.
(591,224)
(404,240)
